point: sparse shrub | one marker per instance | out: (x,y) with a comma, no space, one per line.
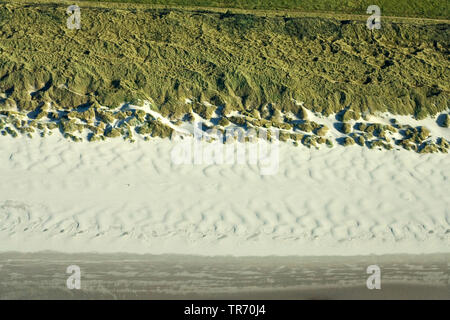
(329,143)
(348,141)
(305,126)
(446,120)
(112,133)
(322,131)
(424,133)
(428,147)
(302,113)
(348,115)
(346,127)
(360,140)
(224,122)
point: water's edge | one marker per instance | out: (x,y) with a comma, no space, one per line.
(129,276)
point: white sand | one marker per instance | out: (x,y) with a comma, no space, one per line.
(115,196)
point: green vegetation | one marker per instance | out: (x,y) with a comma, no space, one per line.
(346,127)
(322,130)
(269,66)
(241,61)
(348,141)
(402,8)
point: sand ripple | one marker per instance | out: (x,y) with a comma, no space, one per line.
(116,196)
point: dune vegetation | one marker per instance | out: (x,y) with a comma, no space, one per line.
(399,8)
(239,62)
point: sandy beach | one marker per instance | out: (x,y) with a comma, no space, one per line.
(121,197)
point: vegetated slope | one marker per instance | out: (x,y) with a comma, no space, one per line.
(242,61)
(401,8)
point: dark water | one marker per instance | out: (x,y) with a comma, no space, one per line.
(125,276)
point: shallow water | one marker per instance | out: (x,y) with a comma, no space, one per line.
(129,276)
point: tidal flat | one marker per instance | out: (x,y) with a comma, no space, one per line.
(126,276)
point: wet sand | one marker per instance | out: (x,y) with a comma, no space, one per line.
(129,276)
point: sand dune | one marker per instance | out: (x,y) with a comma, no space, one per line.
(121,197)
